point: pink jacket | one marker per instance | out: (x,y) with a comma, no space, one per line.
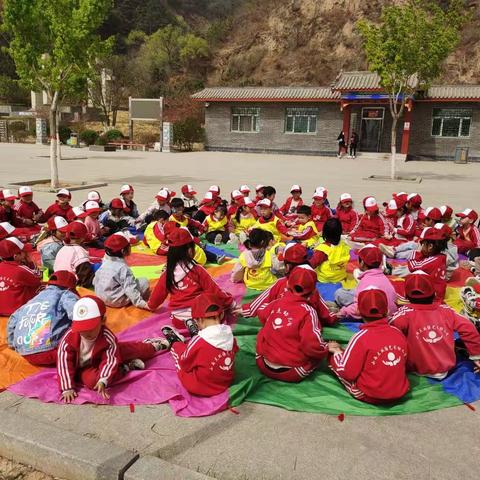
(372,278)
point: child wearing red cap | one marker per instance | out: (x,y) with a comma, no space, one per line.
(468,235)
(7,209)
(256,264)
(448,218)
(7,230)
(294,255)
(183,280)
(117,218)
(162,202)
(372,367)
(178,216)
(306,230)
(114,281)
(414,204)
(19,277)
(289,208)
(207,207)
(90,354)
(205,365)
(269,193)
(268,221)
(216,226)
(127,193)
(470,295)
(370,259)
(243,220)
(235,202)
(190,200)
(28,212)
(290,344)
(401,224)
(330,258)
(430,327)
(35,329)
(55,231)
(372,225)
(94,228)
(154,235)
(320,211)
(73,257)
(346,213)
(61,207)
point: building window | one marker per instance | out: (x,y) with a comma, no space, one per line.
(451,122)
(245,119)
(301,120)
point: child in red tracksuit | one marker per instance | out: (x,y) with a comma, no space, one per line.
(61,208)
(468,234)
(184,280)
(346,214)
(205,365)
(294,256)
(28,212)
(431,260)
(372,224)
(373,366)
(402,225)
(90,353)
(289,208)
(430,327)
(290,344)
(320,212)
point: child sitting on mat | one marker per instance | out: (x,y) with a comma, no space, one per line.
(373,366)
(114,281)
(35,329)
(55,231)
(90,354)
(216,226)
(205,365)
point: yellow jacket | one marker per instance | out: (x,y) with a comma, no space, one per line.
(260,277)
(334,268)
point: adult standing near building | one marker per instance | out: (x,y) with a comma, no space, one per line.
(353,144)
(342,146)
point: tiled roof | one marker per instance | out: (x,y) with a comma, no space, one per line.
(357,81)
(266,94)
(454,91)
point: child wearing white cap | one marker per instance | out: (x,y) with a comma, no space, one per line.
(7,209)
(162,202)
(289,208)
(90,354)
(61,207)
(52,241)
(28,212)
(127,193)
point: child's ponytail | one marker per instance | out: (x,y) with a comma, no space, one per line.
(175,256)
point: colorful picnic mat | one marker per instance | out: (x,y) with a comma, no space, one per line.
(319,393)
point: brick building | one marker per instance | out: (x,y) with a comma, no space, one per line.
(307,120)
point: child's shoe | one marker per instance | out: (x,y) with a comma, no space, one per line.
(387,250)
(192,327)
(221,259)
(172,335)
(136,364)
(233,240)
(158,343)
(218,239)
(242,237)
(356,274)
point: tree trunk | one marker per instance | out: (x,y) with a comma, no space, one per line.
(393,160)
(53,142)
(59,143)
(114,117)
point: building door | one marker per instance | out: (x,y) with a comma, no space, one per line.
(371,130)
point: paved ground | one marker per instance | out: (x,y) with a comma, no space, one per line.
(264,442)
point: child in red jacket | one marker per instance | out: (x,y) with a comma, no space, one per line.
(289,208)
(320,212)
(346,214)
(430,327)
(184,280)
(205,365)
(61,208)
(468,234)
(372,224)
(373,366)
(90,353)
(8,212)
(28,212)
(290,344)
(19,277)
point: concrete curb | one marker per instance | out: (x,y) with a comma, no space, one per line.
(153,468)
(61,453)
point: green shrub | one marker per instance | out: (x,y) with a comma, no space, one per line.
(64,133)
(89,137)
(186,133)
(18,130)
(101,140)
(113,135)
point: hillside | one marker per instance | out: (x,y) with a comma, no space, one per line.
(292,42)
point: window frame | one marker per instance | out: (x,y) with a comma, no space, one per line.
(312,109)
(442,118)
(239,115)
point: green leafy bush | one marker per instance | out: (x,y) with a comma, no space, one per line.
(113,135)
(89,137)
(101,140)
(186,133)
(64,133)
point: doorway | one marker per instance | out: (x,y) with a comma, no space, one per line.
(371,128)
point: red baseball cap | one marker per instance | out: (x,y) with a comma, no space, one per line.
(370,204)
(63,278)
(63,192)
(400,198)
(180,236)
(259,187)
(430,233)
(446,211)
(203,303)
(294,253)
(126,189)
(415,199)
(320,193)
(6,229)
(188,189)
(57,223)
(372,303)
(77,229)
(92,207)
(295,188)
(215,189)
(208,197)
(392,208)
(246,201)
(302,279)
(265,202)
(244,189)
(25,191)
(444,229)
(419,285)
(468,213)
(345,197)
(433,213)
(87,313)
(237,195)
(8,195)
(120,204)
(371,255)
(13,246)
(117,242)
(162,195)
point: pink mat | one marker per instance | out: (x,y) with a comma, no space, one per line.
(158,383)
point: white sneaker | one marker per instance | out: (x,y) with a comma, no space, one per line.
(387,250)
(158,343)
(356,274)
(233,240)
(136,364)
(242,236)
(218,239)
(339,156)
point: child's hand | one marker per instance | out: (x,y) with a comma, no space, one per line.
(476,367)
(69,396)
(334,347)
(102,390)
(237,311)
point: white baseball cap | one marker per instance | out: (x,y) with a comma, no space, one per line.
(94,196)
(92,207)
(345,197)
(295,188)
(8,195)
(245,189)
(163,194)
(65,192)
(265,202)
(87,313)
(24,191)
(126,189)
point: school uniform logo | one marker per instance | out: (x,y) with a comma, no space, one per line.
(389,355)
(392,360)
(227,364)
(431,334)
(3,286)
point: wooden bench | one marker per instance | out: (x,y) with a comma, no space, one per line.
(126,145)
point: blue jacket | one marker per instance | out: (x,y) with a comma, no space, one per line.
(39,325)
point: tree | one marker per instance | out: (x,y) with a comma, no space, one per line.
(407,49)
(54,45)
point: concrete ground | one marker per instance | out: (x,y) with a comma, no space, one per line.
(262,442)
